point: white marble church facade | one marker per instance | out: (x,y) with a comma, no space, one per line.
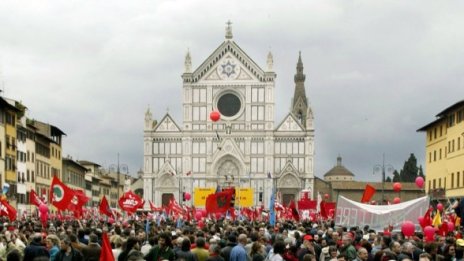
(245,148)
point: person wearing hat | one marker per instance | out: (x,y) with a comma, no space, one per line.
(306,248)
(68,252)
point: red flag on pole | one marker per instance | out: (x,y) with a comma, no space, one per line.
(106,250)
(154,208)
(294,211)
(369,191)
(130,202)
(104,207)
(34,198)
(218,202)
(60,194)
(8,210)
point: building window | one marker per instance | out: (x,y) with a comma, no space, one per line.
(441,130)
(459,143)
(435,133)
(458,181)
(439,183)
(430,157)
(440,153)
(452,180)
(434,155)
(451,119)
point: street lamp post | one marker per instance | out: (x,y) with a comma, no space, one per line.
(382,168)
(119,167)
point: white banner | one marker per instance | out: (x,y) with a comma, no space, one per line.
(350,213)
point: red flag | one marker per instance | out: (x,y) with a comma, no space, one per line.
(369,191)
(8,210)
(323,210)
(34,198)
(130,202)
(60,194)
(174,206)
(105,207)
(295,213)
(427,218)
(218,202)
(106,250)
(154,208)
(79,200)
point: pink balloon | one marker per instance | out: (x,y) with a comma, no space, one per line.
(198,215)
(429,232)
(440,207)
(420,182)
(43,208)
(111,220)
(396,200)
(450,226)
(421,221)
(397,187)
(187,196)
(408,228)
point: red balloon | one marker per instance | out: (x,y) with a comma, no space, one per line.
(408,228)
(215,116)
(440,207)
(397,187)
(396,200)
(187,196)
(420,182)
(198,215)
(326,196)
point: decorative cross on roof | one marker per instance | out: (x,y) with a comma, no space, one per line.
(229,30)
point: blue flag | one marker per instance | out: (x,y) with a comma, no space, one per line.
(271,209)
(147,227)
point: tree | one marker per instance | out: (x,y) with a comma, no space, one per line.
(396,176)
(421,172)
(410,169)
(388,179)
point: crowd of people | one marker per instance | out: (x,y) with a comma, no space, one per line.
(222,240)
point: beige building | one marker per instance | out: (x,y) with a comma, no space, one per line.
(73,174)
(444,153)
(339,181)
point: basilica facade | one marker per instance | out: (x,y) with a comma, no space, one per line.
(246,148)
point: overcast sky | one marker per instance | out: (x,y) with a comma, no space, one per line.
(376,70)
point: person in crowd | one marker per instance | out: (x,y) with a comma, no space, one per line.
(239,253)
(231,243)
(35,248)
(215,253)
(200,251)
(131,244)
(184,251)
(52,243)
(67,252)
(92,251)
(347,249)
(362,254)
(256,253)
(161,251)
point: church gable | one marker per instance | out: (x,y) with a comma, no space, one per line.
(167,124)
(229,68)
(290,123)
(228,147)
(228,62)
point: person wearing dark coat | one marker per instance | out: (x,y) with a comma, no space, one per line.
(35,248)
(184,251)
(93,250)
(232,242)
(67,251)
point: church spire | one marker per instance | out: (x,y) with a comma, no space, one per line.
(188,62)
(229,30)
(300,103)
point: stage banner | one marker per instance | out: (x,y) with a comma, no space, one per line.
(244,197)
(200,195)
(350,213)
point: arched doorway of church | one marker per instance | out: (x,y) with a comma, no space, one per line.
(289,186)
(165,198)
